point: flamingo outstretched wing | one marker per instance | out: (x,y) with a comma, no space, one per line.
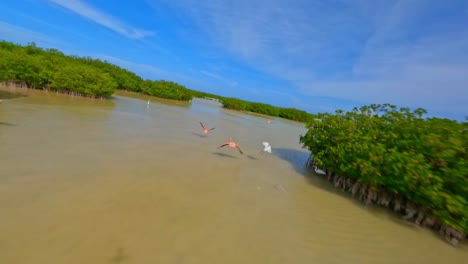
(239,150)
(211,128)
(202,125)
(223,145)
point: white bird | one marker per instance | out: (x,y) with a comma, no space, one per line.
(319,171)
(147,103)
(267,147)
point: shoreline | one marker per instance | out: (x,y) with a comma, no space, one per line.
(141,96)
(398,204)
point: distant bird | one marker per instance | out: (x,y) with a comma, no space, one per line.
(205,130)
(147,103)
(267,147)
(231,144)
(319,171)
(268,121)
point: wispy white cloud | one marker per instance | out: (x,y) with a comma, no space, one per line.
(150,72)
(404,52)
(405,64)
(22,35)
(38,21)
(219,77)
(89,12)
(146,70)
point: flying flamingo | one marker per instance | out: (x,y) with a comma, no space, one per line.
(205,130)
(231,144)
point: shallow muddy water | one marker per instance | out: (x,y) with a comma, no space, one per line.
(120,181)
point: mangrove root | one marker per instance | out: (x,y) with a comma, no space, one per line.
(396,202)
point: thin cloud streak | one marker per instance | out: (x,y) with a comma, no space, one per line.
(368,51)
(143,69)
(150,72)
(218,77)
(410,53)
(24,35)
(430,71)
(91,13)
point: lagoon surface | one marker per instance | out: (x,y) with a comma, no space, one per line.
(120,181)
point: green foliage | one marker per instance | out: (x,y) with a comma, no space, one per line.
(235,104)
(51,69)
(124,79)
(294,114)
(169,90)
(266,109)
(39,68)
(424,160)
(83,80)
(34,67)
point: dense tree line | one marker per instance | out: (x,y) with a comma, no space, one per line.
(125,80)
(266,109)
(166,89)
(396,158)
(50,69)
(37,68)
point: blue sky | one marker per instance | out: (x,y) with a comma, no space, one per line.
(318,56)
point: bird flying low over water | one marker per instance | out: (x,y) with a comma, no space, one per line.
(267,147)
(205,130)
(319,171)
(231,144)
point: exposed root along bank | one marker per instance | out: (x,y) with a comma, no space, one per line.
(407,209)
(47,89)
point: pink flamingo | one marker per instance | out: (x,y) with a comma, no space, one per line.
(205,130)
(231,144)
(268,121)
